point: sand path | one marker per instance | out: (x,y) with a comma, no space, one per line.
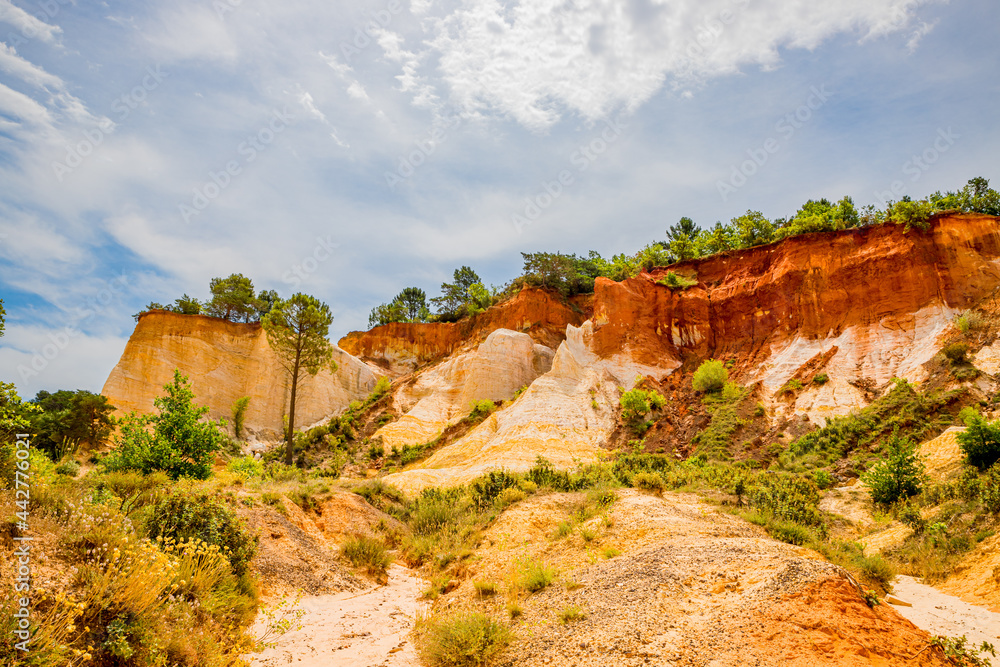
(941,614)
(369,629)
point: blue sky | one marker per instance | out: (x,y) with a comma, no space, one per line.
(351,149)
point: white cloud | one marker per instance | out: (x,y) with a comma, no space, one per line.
(29,26)
(193,31)
(535,61)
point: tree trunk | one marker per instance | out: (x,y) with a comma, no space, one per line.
(289,436)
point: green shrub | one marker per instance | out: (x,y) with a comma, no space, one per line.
(481,410)
(68,468)
(792,533)
(239,415)
(246,467)
(180,444)
(534,576)
(710,376)
(572,613)
(463,639)
(874,568)
(956,353)
(969,320)
(676,281)
(980,442)
(821,379)
(508,497)
(382,387)
(898,475)
(648,481)
(185,515)
(485,588)
(563,529)
(369,553)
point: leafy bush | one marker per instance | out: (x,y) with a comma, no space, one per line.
(980,442)
(509,497)
(533,575)
(572,613)
(970,320)
(185,515)
(710,376)
(481,410)
(675,281)
(179,444)
(898,475)
(246,467)
(649,481)
(68,468)
(637,403)
(369,553)
(239,415)
(485,588)
(955,353)
(464,639)
(821,379)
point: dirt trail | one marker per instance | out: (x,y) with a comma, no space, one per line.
(349,629)
(941,614)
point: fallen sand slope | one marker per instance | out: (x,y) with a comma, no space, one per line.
(353,629)
(691,586)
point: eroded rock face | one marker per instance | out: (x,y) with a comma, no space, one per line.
(505,362)
(405,346)
(883,298)
(564,415)
(225,361)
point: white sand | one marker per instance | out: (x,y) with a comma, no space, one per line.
(941,614)
(352,629)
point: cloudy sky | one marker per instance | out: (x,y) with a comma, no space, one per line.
(349,149)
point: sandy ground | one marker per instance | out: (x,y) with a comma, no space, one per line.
(941,614)
(368,629)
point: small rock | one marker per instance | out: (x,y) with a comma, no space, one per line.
(892,599)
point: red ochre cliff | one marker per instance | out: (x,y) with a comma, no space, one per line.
(541,314)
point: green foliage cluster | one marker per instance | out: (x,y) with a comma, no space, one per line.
(410,305)
(368,552)
(233,299)
(239,415)
(710,376)
(677,281)
(246,467)
(913,413)
(898,475)
(570,274)
(187,515)
(174,440)
(296,330)
(637,403)
(66,419)
(980,442)
(462,639)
